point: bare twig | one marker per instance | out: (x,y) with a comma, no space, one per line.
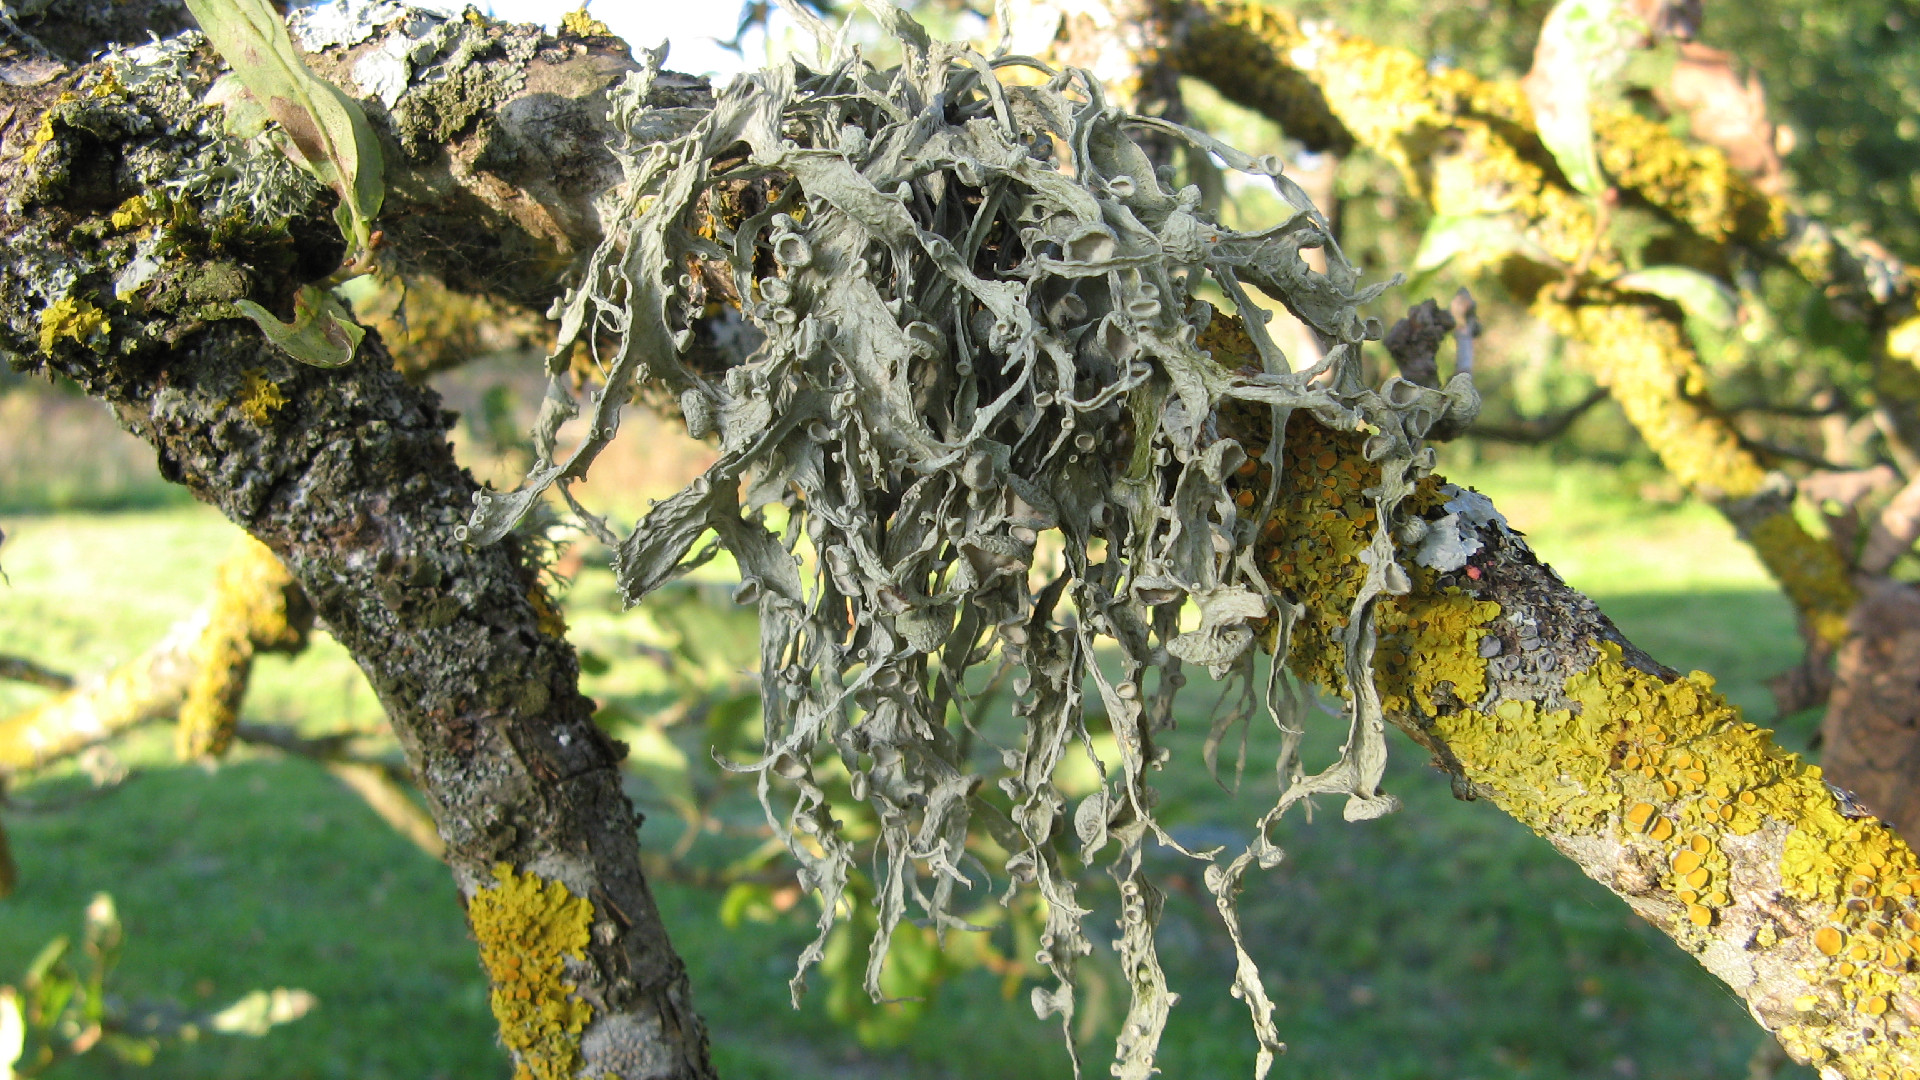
(382,785)
(1466,330)
(20,669)
(1538,429)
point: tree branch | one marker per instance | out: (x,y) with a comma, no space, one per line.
(1533,430)
(1894,532)
(347,475)
(1649,781)
(380,784)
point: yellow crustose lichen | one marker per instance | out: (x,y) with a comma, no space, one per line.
(1666,767)
(1312,551)
(68,317)
(260,397)
(527,928)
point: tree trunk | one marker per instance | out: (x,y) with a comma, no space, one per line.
(348,477)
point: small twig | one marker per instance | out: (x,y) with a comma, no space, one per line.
(1787,453)
(1533,430)
(1789,412)
(1466,317)
(325,748)
(19,669)
(381,784)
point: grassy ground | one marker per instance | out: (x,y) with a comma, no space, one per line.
(1444,942)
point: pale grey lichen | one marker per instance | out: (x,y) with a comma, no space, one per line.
(1447,544)
(976,319)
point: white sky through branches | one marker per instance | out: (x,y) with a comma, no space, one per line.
(695,27)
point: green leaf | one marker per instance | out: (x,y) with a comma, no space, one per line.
(43,963)
(1479,239)
(326,133)
(1583,45)
(322,333)
(1702,297)
(13,1031)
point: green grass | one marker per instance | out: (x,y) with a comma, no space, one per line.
(1443,942)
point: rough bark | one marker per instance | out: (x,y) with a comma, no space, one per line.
(348,477)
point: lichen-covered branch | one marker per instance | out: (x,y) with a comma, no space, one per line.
(1467,147)
(198,671)
(1641,354)
(1332,90)
(141,222)
(1648,780)
(256,608)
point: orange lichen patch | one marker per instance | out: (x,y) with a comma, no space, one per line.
(546,613)
(1640,816)
(1699,915)
(527,928)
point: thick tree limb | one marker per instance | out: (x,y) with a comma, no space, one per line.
(1649,781)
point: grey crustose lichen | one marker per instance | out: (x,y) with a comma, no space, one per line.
(976,323)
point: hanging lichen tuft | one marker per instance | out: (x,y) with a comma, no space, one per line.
(963,313)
